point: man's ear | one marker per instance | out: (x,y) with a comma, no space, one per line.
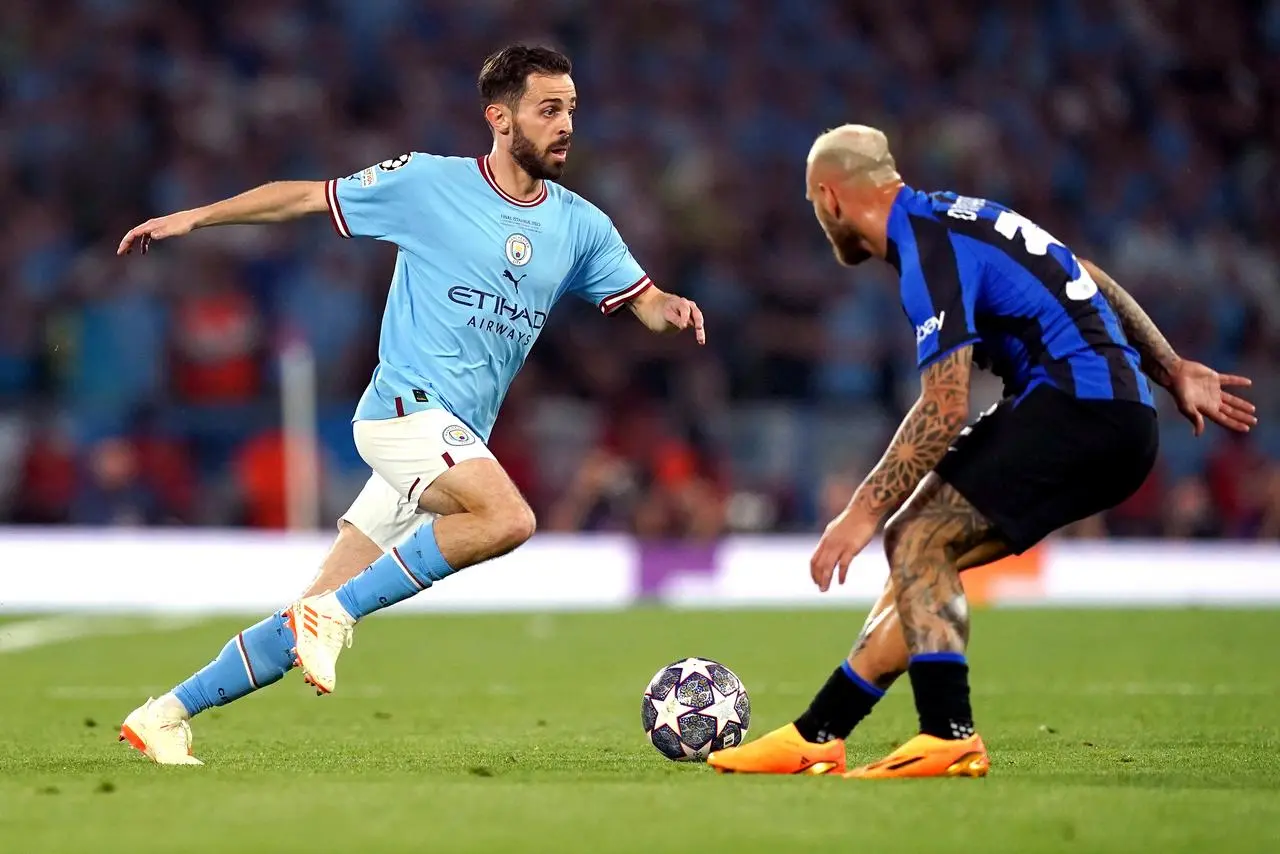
(499,118)
(831,199)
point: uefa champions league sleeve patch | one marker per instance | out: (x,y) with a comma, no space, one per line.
(395,163)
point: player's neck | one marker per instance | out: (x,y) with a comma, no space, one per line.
(875,224)
(878,239)
(511,179)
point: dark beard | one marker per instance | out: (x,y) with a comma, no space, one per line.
(847,245)
(527,157)
(851,253)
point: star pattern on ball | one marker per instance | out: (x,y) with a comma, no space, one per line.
(690,666)
(691,755)
(669,711)
(716,717)
(723,708)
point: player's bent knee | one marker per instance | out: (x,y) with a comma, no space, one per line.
(524,524)
(907,537)
(895,537)
(512,526)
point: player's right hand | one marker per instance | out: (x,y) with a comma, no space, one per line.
(1199,392)
(173,225)
(843,540)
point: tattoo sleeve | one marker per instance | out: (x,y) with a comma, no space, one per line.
(1158,356)
(923,437)
(931,604)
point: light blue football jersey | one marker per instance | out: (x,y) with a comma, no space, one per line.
(476,275)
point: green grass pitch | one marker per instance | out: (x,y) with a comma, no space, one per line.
(1110,731)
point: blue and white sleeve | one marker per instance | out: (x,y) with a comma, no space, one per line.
(609,275)
(380,202)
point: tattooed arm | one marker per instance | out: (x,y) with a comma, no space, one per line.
(1158,357)
(923,437)
(1197,389)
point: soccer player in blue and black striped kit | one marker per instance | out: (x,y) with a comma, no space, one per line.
(1075,434)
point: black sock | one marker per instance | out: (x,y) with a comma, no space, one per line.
(940,681)
(842,703)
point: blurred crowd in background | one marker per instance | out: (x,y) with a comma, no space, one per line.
(145,391)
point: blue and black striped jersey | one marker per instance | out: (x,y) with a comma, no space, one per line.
(975,272)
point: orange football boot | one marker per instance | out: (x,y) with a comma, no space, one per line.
(929,756)
(783,751)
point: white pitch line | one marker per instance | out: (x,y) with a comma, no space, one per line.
(22,635)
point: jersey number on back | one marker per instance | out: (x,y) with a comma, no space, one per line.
(1038,241)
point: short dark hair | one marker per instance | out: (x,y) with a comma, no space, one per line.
(505,74)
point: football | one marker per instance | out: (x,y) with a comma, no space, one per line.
(695,706)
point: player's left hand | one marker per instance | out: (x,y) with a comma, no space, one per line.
(160,228)
(846,536)
(682,313)
(1198,390)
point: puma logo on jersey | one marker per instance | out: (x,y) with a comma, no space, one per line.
(506,274)
(930,326)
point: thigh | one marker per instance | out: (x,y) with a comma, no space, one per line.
(476,486)
(1050,460)
(412,451)
(382,515)
(938,518)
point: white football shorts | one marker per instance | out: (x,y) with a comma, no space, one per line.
(406,454)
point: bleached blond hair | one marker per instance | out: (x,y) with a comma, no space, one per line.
(855,151)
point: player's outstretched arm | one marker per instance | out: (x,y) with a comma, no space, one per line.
(1197,388)
(1158,356)
(662,312)
(274,202)
(919,445)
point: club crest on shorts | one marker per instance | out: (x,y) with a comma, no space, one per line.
(457,435)
(519,250)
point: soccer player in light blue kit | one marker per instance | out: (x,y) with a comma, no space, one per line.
(486,247)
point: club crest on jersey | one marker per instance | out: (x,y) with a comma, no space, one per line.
(457,435)
(519,250)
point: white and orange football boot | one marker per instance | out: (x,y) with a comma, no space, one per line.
(321,628)
(930,756)
(160,733)
(783,751)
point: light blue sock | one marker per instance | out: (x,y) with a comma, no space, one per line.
(404,571)
(253,659)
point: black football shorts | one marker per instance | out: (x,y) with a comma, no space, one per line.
(1038,464)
